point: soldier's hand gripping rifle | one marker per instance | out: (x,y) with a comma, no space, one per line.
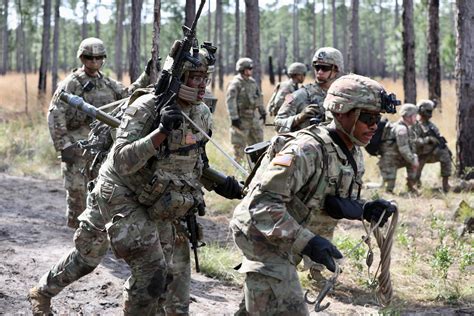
(168,84)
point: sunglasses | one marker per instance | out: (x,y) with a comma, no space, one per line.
(197,80)
(369,119)
(324,68)
(93,57)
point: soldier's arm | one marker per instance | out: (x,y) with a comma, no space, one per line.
(288,112)
(231,100)
(134,145)
(283,177)
(57,116)
(403,144)
(261,107)
(280,96)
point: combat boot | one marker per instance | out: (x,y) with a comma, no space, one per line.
(40,303)
(446,186)
(389,186)
(411,187)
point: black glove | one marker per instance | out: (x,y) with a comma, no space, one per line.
(322,251)
(230,190)
(149,64)
(263,117)
(374,209)
(170,119)
(236,123)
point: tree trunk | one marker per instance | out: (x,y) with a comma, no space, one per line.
(354,38)
(4,68)
(465,87)
(434,71)
(220,42)
(45,53)
(237,31)
(155,46)
(23,53)
(409,75)
(119,39)
(189,12)
(323,24)
(252,37)
(381,70)
(313,24)
(271,73)
(84,20)
(96,20)
(209,22)
(334,28)
(296,46)
(54,70)
(134,70)
(344,31)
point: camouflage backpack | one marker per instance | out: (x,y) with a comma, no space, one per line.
(272,107)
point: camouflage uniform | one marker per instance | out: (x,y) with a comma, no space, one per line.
(286,87)
(68,125)
(428,146)
(295,103)
(243,97)
(397,150)
(285,205)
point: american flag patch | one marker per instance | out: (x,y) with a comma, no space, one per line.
(289,98)
(283,160)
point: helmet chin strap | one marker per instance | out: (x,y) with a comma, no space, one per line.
(354,140)
(329,80)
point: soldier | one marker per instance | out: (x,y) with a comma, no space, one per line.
(398,150)
(243,97)
(91,239)
(296,74)
(306,103)
(308,177)
(430,145)
(68,125)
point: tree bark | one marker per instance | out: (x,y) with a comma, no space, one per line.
(84,20)
(134,69)
(381,70)
(23,53)
(119,39)
(4,68)
(354,38)
(45,53)
(323,24)
(434,71)
(465,87)
(344,31)
(252,37)
(220,41)
(237,31)
(155,46)
(296,46)
(189,12)
(313,24)
(54,69)
(96,20)
(209,22)
(409,74)
(334,27)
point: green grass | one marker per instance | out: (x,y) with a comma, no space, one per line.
(218,262)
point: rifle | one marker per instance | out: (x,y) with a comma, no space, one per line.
(192,226)
(442,143)
(168,84)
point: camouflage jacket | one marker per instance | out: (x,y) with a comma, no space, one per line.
(426,142)
(306,164)
(243,97)
(399,141)
(278,97)
(295,103)
(68,125)
(143,173)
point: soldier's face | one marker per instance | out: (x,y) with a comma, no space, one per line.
(365,126)
(93,63)
(324,72)
(198,80)
(410,119)
(299,78)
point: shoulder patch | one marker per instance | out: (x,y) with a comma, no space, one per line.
(283,160)
(289,98)
(402,130)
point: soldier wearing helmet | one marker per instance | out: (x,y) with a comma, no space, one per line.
(306,182)
(296,73)
(304,106)
(430,145)
(68,125)
(398,150)
(243,99)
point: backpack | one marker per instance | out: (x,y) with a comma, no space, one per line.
(272,107)
(373,148)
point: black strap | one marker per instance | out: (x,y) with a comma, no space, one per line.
(338,141)
(185,150)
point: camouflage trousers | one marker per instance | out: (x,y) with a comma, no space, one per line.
(249,133)
(438,155)
(75,184)
(390,163)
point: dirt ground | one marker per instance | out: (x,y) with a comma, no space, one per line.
(33,236)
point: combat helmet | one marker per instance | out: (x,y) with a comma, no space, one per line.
(425,108)
(359,92)
(243,63)
(297,69)
(91,46)
(329,55)
(408,109)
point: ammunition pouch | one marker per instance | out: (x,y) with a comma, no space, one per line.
(153,190)
(171,205)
